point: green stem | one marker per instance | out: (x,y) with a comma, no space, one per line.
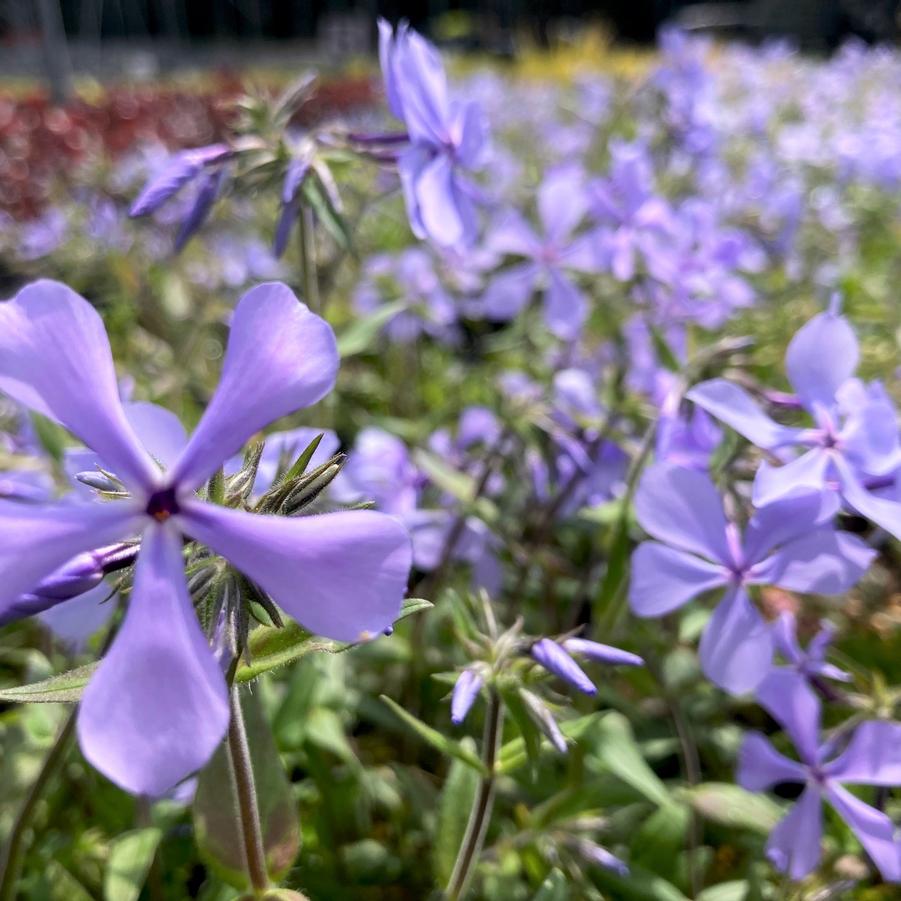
(483,804)
(11,856)
(248,811)
(306,234)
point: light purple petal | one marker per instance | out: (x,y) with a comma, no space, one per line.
(823,562)
(157,707)
(74,621)
(565,306)
(280,358)
(562,202)
(55,358)
(820,357)
(737,409)
(785,519)
(602,653)
(787,697)
(159,430)
(436,196)
(874,830)
(37,540)
(736,648)
(682,507)
(341,575)
(806,473)
(509,292)
(665,578)
(873,756)
(761,766)
(794,845)
(885,513)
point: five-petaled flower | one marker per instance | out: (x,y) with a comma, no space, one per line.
(872,756)
(157,706)
(788,543)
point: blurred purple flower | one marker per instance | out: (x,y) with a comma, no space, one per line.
(466,690)
(810,663)
(447,138)
(872,756)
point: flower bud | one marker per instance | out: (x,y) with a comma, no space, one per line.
(466,690)
(544,719)
(555,660)
(179,170)
(594,853)
(602,653)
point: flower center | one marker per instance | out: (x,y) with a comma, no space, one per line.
(163,504)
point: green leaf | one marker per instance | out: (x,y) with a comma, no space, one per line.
(317,197)
(660,840)
(272,647)
(454,805)
(460,485)
(524,723)
(66,687)
(617,751)
(611,598)
(736,890)
(217,834)
(513,755)
(301,463)
(131,855)
(731,805)
(442,743)
(553,888)
(358,337)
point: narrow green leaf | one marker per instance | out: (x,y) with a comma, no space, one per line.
(300,465)
(524,723)
(317,197)
(617,751)
(442,743)
(453,813)
(271,648)
(66,687)
(611,597)
(513,754)
(553,888)
(731,805)
(358,337)
(131,855)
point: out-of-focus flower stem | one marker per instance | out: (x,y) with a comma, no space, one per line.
(11,856)
(306,237)
(247,810)
(483,804)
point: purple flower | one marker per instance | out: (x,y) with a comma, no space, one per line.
(549,258)
(595,854)
(872,756)
(178,171)
(294,176)
(446,138)
(557,661)
(811,663)
(157,706)
(855,438)
(466,690)
(788,543)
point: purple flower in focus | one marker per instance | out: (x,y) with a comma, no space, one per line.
(549,258)
(447,138)
(872,756)
(557,661)
(810,663)
(157,707)
(789,543)
(854,442)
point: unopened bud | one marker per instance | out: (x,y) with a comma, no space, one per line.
(466,690)
(544,719)
(602,653)
(556,660)
(309,488)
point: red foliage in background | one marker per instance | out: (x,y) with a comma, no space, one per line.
(41,142)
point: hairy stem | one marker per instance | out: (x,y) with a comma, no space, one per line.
(306,235)
(11,855)
(483,804)
(247,809)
